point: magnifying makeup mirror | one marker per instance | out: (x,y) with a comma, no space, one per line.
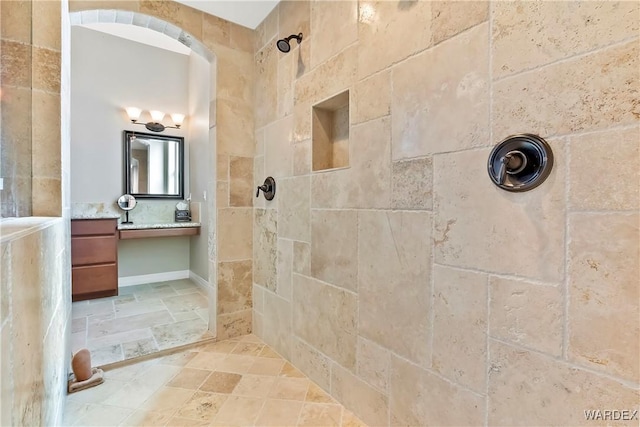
(126,202)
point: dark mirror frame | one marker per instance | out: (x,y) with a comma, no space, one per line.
(127,134)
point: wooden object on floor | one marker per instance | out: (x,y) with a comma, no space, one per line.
(94,258)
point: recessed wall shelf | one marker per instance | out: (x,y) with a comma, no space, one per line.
(330,133)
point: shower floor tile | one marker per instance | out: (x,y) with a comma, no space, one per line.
(194,387)
(141,320)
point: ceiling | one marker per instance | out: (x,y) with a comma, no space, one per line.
(248,13)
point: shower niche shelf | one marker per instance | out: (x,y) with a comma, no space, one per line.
(330,133)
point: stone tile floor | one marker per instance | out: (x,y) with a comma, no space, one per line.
(142,319)
(237,382)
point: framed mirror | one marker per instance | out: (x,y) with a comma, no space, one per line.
(153,166)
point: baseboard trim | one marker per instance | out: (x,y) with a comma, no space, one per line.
(198,280)
(152,278)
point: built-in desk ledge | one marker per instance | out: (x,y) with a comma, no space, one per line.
(142,231)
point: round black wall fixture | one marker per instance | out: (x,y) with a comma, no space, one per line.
(268,188)
(520,162)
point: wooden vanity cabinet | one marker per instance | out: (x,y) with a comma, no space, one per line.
(94,258)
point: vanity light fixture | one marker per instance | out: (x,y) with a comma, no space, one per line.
(155,125)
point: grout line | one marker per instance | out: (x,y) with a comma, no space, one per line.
(568,58)
(487,355)
(514,277)
(567,259)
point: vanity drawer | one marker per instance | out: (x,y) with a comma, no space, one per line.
(94,281)
(93,227)
(93,250)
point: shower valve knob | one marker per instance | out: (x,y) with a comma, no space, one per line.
(268,188)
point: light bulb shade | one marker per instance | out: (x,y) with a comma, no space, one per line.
(156,115)
(178,119)
(133,113)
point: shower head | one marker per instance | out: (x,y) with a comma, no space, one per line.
(283,44)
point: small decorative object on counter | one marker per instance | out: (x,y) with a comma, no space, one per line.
(182,213)
(126,202)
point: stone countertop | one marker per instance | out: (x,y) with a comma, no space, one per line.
(95,215)
(142,226)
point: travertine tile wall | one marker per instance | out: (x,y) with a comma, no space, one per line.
(231,133)
(35,319)
(408,285)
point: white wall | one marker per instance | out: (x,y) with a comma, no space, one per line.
(202,176)
(110,73)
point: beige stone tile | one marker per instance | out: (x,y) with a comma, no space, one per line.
(302,258)
(139,348)
(215,31)
(146,418)
(269,352)
(389,242)
(178,359)
(190,378)
(290,371)
(135,307)
(381,23)
(97,395)
(311,362)
(314,414)
(234,324)
(460,326)
(342,18)
(373,364)
(350,420)
(266,366)
(234,128)
(13,16)
(190,20)
(17,125)
(372,98)
(279,413)
(206,361)
(302,158)
(448,108)
(267,29)
(246,348)
(461,185)
(103,328)
(254,385)
(258,299)
(221,382)
(16,64)
(609,91)
(284,268)
(236,363)
(289,388)
(180,333)
(450,18)
(604,293)
(527,314)
(294,17)
(185,303)
(166,399)
(46,69)
(202,406)
(278,150)
(184,422)
(301,120)
(242,38)
(47,25)
(234,234)
(265,246)
(412,184)
(222,194)
(239,411)
(325,317)
(527,388)
(133,394)
(334,237)
(313,87)
(277,323)
(266,85)
(526,36)
(409,384)
(368,403)
(78,5)
(317,395)
(234,286)
(610,158)
(287,66)
(234,75)
(294,208)
(224,347)
(103,415)
(241,181)
(222,167)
